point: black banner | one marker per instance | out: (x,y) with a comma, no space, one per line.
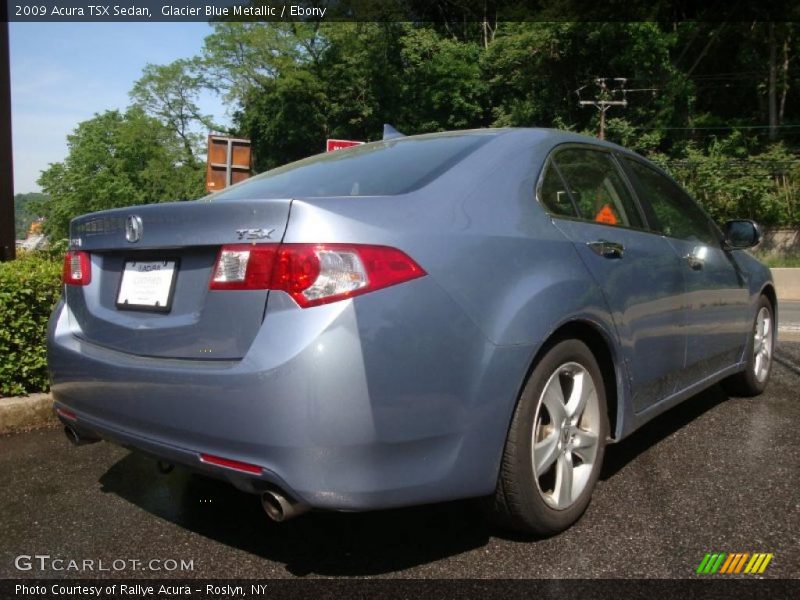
(320,589)
(457,11)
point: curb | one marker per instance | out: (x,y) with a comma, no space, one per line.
(787,283)
(21,413)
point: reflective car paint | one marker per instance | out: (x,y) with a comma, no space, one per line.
(403,395)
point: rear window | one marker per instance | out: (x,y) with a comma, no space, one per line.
(378,169)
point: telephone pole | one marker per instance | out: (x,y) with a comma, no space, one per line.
(606,98)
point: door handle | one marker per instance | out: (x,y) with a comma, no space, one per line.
(695,263)
(696,259)
(607,249)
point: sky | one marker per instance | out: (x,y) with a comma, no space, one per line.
(64,73)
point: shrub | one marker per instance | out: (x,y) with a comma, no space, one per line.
(29,288)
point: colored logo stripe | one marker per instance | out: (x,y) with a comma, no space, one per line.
(758,563)
(723,563)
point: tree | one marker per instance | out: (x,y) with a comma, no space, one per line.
(170,94)
(442,83)
(25,212)
(284,118)
(114,160)
(240,57)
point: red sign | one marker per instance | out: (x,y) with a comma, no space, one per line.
(339,144)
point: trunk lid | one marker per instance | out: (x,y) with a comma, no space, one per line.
(199,323)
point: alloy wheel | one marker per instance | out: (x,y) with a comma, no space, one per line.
(565,435)
(762,344)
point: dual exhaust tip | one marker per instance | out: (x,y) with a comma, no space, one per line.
(78,439)
(281,508)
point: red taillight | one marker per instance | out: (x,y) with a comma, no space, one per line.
(312,274)
(230,464)
(77,268)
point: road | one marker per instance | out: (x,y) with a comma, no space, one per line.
(714,474)
(789,316)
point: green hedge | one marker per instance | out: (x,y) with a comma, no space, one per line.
(29,288)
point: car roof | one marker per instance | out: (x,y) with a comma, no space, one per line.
(553,136)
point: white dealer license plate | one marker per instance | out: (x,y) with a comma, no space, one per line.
(147,285)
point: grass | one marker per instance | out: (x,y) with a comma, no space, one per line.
(780,261)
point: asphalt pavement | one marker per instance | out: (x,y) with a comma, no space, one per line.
(715,474)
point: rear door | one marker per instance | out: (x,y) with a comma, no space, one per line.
(716,299)
(641,277)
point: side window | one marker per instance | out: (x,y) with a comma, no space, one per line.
(678,215)
(553,194)
(597,187)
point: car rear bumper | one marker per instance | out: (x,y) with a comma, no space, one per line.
(339,408)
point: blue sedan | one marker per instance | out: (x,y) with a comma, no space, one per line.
(414,320)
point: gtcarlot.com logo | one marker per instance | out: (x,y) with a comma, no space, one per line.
(725,563)
(45,562)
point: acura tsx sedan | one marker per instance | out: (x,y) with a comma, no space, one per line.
(471,314)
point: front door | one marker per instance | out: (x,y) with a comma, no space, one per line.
(641,277)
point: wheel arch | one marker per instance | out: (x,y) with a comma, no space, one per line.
(600,343)
(769,291)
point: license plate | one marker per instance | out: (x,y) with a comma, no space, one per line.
(147,285)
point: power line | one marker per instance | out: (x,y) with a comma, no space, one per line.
(608,97)
(723,127)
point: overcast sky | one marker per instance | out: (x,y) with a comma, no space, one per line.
(63,73)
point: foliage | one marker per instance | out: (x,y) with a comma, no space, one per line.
(114,160)
(732,182)
(270,116)
(442,87)
(170,94)
(29,288)
(694,88)
(25,212)
(780,262)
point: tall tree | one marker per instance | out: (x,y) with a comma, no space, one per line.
(170,93)
(116,159)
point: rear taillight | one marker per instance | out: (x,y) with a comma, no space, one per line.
(244,267)
(77,268)
(312,274)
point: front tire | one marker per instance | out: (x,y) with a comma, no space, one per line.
(555,445)
(760,347)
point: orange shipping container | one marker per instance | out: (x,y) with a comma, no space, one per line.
(229,161)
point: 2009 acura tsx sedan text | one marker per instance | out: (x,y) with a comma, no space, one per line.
(414,320)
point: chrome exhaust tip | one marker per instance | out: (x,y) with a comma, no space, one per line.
(279,508)
(76,438)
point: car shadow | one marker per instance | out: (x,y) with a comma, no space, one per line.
(328,544)
(623,453)
(347,544)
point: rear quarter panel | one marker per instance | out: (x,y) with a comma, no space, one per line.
(509,277)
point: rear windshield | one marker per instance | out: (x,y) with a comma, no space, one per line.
(378,169)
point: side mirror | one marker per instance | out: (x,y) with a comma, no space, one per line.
(741,233)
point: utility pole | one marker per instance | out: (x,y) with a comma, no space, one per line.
(606,98)
(7,236)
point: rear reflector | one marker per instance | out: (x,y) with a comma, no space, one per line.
(67,414)
(312,274)
(77,268)
(230,464)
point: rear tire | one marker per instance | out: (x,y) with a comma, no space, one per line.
(555,445)
(760,348)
